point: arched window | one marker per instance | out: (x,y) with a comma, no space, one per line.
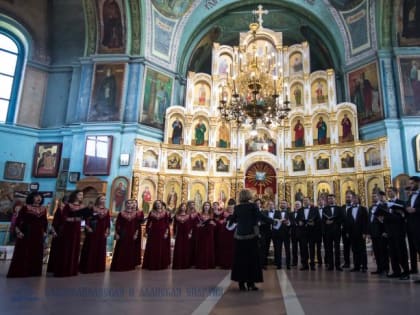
(11,61)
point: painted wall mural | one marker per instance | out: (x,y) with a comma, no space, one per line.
(162,35)
(112,26)
(409,69)
(364,92)
(409,23)
(173,9)
(157,100)
(107,93)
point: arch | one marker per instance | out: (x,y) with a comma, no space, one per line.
(18,35)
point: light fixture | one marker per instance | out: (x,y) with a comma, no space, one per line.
(255,82)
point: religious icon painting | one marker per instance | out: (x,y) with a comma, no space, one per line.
(224,65)
(295,62)
(222,164)
(348,186)
(319,91)
(150,159)
(347,160)
(298,164)
(46,159)
(105,104)
(174,161)
(374,186)
(300,192)
(347,125)
(172,195)
(372,157)
(296,92)
(147,191)
(321,130)
(157,100)
(221,193)
(408,22)
(409,72)
(198,194)
(364,90)
(323,189)
(200,132)
(322,162)
(177,135)
(224,136)
(119,194)
(14,170)
(198,163)
(202,94)
(112,28)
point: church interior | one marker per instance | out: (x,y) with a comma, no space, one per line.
(196,100)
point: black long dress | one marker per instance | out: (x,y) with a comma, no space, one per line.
(246,260)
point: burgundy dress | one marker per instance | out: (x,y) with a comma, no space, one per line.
(140,216)
(204,251)
(67,262)
(29,250)
(157,254)
(225,243)
(52,257)
(195,219)
(127,227)
(183,233)
(93,255)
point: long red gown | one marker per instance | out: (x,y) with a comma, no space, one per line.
(204,250)
(29,250)
(157,254)
(140,216)
(194,222)
(225,241)
(52,257)
(127,226)
(183,233)
(93,255)
(67,263)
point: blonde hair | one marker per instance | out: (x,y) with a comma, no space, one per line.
(245,195)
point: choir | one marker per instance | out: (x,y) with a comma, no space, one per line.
(322,234)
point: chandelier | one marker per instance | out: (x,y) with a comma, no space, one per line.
(255,84)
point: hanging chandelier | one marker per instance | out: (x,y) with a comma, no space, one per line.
(255,83)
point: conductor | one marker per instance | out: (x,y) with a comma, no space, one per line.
(246,268)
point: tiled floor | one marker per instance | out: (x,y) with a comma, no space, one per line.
(208,291)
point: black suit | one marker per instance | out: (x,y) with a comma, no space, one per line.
(332,234)
(306,232)
(265,232)
(293,237)
(356,228)
(379,242)
(394,222)
(319,236)
(280,237)
(413,228)
(346,238)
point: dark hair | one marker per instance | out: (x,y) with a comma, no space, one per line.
(331,195)
(258,199)
(394,189)
(65,199)
(155,204)
(231,202)
(73,195)
(31,197)
(98,199)
(381,193)
(204,203)
(178,211)
(415,179)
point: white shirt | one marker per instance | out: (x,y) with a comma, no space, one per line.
(271,214)
(354,211)
(283,215)
(373,212)
(413,198)
(306,212)
(332,211)
(320,212)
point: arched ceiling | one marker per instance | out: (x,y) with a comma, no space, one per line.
(296,28)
